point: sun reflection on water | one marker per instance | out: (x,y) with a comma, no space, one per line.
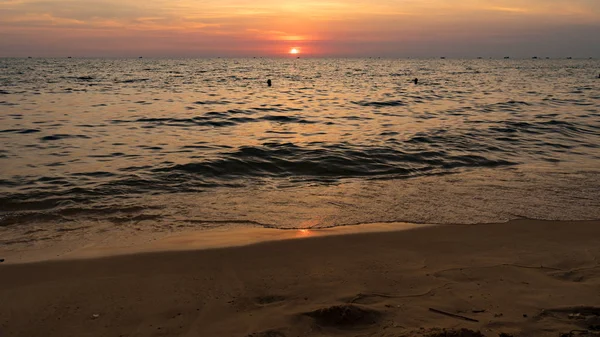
(305,233)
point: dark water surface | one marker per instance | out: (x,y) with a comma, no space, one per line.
(159,143)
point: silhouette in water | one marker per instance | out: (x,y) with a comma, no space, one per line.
(416,80)
(269,83)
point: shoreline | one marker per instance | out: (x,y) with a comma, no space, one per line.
(191,240)
(522,278)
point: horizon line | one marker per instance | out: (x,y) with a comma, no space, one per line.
(293,57)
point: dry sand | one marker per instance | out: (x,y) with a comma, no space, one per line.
(523,278)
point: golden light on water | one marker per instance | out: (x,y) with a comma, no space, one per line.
(304,232)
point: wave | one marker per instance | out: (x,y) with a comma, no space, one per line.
(318,162)
(133,80)
(286,119)
(115,213)
(555,127)
(62,136)
(216,119)
(21,131)
(212,102)
(337,161)
(379,104)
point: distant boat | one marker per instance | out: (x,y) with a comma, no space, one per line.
(479,58)
(569,58)
(506,57)
(140,57)
(69,57)
(534,58)
(443,57)
(28,57)
(547,58)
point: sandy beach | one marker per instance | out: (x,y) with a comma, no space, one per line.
(523,278)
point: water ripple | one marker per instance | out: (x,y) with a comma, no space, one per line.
(81,134)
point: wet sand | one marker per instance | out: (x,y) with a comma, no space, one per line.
(523,278)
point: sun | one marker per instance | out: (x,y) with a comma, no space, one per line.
(294,51)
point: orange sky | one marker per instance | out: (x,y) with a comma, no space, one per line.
(318,28)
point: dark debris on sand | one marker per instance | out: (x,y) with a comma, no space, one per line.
(344,316)
(454,333)
(575,333)
(268,333)
(585,319)
(502,334)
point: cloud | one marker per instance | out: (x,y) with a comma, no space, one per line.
(509,9)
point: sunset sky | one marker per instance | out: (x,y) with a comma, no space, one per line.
(403,28)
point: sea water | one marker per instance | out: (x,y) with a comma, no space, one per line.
(97,145)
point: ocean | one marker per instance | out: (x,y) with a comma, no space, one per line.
(92,146)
